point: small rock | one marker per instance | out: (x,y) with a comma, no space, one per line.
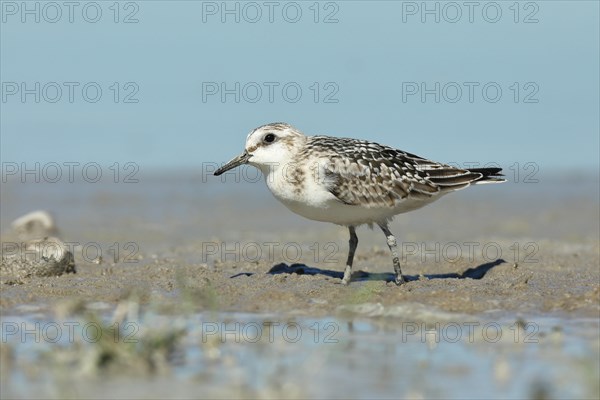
(42,257)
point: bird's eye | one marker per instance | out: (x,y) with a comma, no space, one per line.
(269,138)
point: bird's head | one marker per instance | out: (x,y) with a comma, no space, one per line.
(267,147)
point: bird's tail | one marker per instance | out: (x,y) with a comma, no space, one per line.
(489,175)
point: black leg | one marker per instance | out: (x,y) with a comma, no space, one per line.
(351,249)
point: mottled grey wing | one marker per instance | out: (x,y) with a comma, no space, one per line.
(372,175)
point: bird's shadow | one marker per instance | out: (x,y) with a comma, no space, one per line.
(300,269)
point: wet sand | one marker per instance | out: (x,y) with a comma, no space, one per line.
(516,252)
(484,248)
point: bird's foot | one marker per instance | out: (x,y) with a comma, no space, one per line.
(399,280)
(347,276)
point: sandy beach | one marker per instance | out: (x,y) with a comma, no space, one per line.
(518,255)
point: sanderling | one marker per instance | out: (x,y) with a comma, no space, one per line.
(350,182)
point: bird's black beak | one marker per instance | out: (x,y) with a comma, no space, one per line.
(239,160)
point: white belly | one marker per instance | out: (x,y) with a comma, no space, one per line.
(314,201)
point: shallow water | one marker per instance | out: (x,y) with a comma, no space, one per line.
(364,351)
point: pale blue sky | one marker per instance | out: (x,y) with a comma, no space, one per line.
(370,57)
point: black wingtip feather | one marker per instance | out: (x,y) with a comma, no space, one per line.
(487,172)
(490,175)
